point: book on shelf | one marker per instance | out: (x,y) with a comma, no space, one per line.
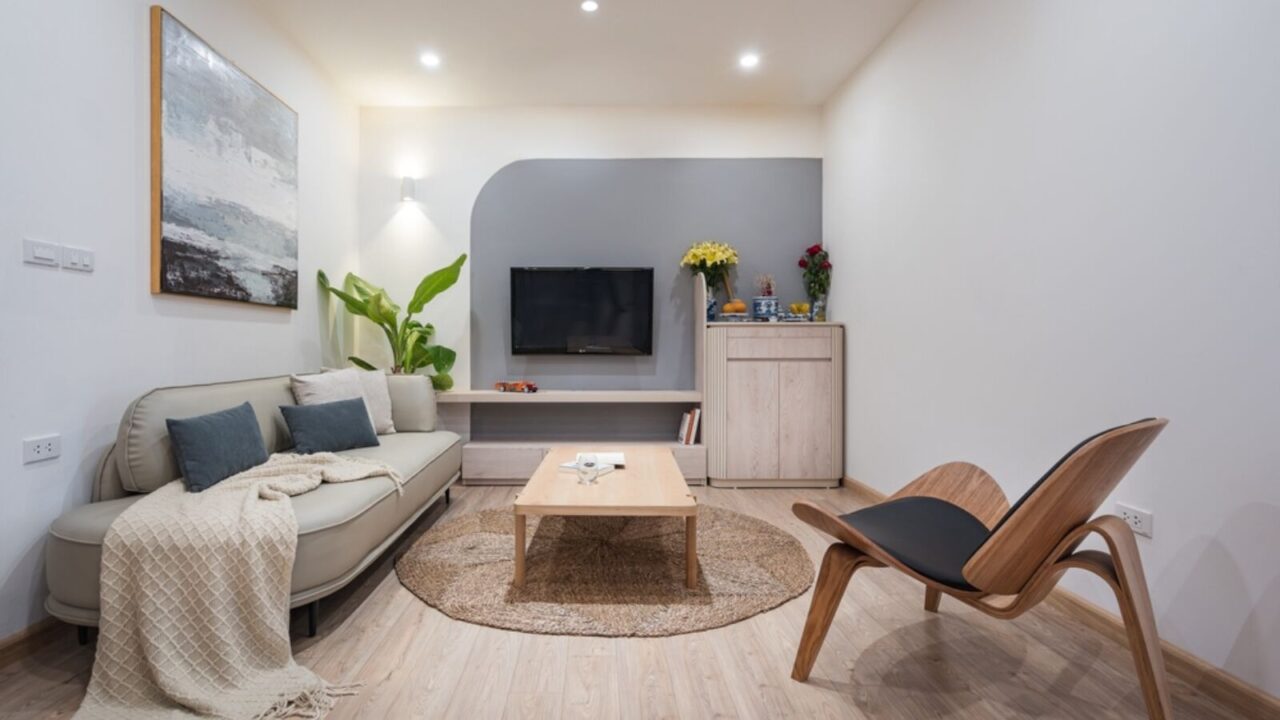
(688,433)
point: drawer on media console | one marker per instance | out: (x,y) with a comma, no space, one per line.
(692,460)
(782,343)
(496,462)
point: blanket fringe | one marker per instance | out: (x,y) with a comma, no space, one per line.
(311,704)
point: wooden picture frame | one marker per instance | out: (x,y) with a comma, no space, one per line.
(224,197)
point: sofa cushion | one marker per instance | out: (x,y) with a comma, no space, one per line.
(413,402)
(143,455)
(211,448)
(329,427)
(335,503)
(333,385)
(318,388)
(376,396)
(340,525)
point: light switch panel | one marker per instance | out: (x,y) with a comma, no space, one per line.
(35,252)
(77,259)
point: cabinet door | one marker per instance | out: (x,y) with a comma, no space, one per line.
(806,407)
(752,419)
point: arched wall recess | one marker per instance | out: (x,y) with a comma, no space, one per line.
(633,213)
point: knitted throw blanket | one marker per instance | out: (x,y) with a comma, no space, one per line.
(195,599)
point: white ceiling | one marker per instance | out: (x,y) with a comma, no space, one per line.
(549,52)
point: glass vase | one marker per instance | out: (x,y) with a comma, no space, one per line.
(818,308)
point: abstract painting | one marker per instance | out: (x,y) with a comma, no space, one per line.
(224,175)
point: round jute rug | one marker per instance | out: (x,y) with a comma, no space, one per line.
(605,576)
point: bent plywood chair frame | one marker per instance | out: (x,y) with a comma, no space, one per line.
(1027,552)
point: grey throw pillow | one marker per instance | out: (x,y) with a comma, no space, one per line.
(329,427)
(211,448)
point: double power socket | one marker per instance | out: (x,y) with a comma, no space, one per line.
(1140,521)
(44,447)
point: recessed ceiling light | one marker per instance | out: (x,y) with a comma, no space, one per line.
(590,6)
(749,60)
(429,60)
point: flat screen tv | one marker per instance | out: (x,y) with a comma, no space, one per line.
(582,311)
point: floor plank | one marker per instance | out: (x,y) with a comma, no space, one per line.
(591,680)
(885,657)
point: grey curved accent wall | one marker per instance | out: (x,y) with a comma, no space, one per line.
(632,212)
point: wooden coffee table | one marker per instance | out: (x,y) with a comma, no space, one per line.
(650,484)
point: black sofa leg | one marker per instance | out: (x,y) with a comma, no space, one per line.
(82,634)
(447,499)
(313,617)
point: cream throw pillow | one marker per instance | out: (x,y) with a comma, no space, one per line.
(345,384)
(376,397)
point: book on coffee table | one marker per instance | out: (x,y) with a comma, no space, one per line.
(616,459)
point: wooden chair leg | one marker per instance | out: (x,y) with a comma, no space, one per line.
(1124,574)
(931,599)
(837,567)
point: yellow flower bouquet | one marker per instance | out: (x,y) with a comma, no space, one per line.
(712,260)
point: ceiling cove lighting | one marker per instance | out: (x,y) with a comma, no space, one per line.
(749,60)
(429,60)
(590,6)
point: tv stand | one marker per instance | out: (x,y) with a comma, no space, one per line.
(490,397)
(504,445)
(771,394)
(507,460)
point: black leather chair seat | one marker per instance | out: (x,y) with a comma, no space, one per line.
(928,535)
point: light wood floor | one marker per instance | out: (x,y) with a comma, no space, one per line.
(884,658)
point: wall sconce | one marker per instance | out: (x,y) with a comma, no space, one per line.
(408,189)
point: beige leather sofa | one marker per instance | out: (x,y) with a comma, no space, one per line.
(342,528)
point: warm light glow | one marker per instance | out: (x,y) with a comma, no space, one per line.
(429,60)
(590,6)
(409,162)
(749,60)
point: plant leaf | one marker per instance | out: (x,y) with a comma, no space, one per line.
(360,363)
(359,283)
(382,310)
(441,381)
(364,289)
(442,359)
(412,358)
(355,305)
(436,283)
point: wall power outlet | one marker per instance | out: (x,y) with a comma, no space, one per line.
(45,447)
(1140,521)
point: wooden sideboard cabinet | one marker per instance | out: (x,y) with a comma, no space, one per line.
(774,404)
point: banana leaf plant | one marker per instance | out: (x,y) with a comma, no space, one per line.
(411,346)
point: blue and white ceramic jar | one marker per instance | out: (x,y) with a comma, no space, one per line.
(765,308)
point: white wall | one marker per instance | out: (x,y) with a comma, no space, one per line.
(74,162)
(1051,217)
(454,152)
